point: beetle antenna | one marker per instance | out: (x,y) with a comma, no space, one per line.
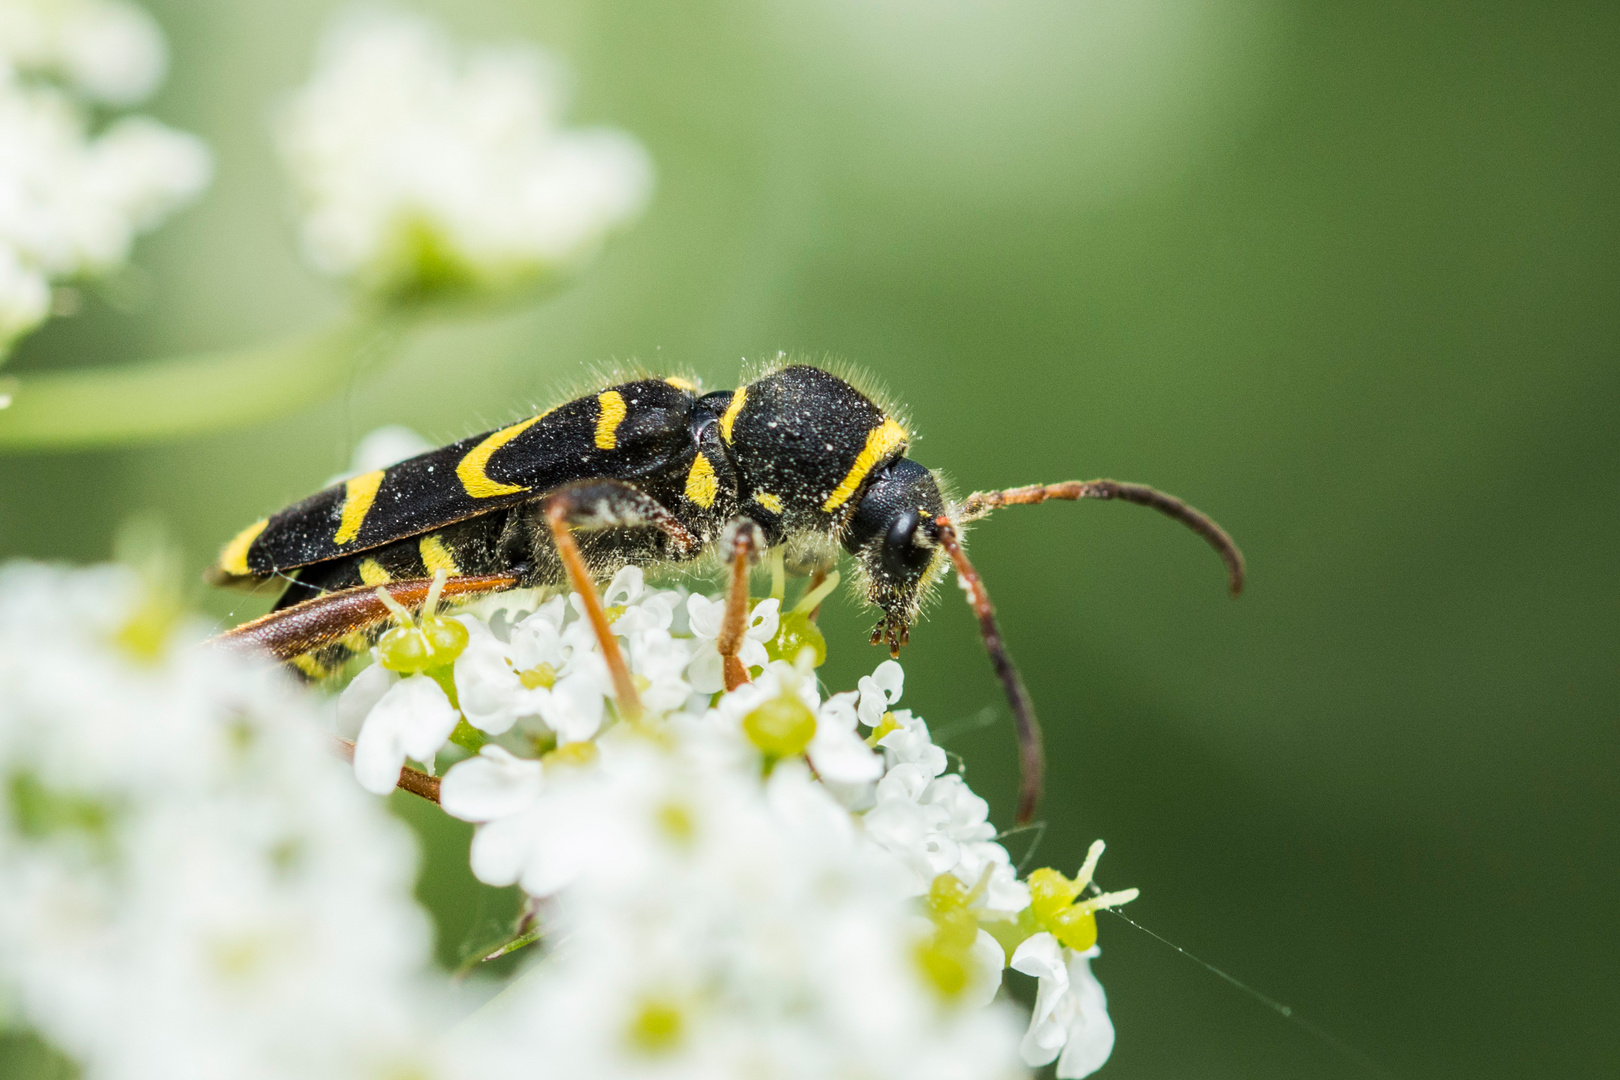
(1031,756)
(981,503)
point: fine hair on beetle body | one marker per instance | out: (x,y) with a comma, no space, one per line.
(649,470)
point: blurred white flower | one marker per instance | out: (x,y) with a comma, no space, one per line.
(380,448)
(107,50)
(421,171)
(190,884)
(71,203)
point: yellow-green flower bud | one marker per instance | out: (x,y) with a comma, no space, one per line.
(781,727)
(1051,898)
(795,633)
(433,642)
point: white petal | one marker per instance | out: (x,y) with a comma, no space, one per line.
(574,709)
(706,673)
(890,677)
(413,719)
(987,959)
(1091,1032)
(1041,956)
(538,640)
(486,686)
(495,784)
(360,697)
(841,756)
(625,588)
(763,622)
(705,615)
(502,849)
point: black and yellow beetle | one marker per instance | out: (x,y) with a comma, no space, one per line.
(647,471)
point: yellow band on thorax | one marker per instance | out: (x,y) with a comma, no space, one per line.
(729,417)
(881,442)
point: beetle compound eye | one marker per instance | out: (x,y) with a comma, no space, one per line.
(903,529)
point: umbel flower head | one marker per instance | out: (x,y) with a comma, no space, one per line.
(424,174)
(763,881)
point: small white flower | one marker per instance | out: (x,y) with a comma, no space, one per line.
(421,169)
(706,673)
(413,719)
(839,754)
(910,744)
(1071,1009)
(500,792)
(909,828)
(879,690)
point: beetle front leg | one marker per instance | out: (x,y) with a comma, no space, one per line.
(742,545)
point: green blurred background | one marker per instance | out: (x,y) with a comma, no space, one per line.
(1344,275)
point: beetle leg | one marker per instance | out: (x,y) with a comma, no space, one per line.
(561,509)
(327,620)
(612,504)
(981,503)
(742,546)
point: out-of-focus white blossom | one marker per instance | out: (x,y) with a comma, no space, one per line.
(190,884)
(107,50)
(421,171)
(380,448)
(72,201)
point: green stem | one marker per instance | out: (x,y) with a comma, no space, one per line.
(184,396)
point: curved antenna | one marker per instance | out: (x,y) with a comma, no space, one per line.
(1031,756)
(981,503)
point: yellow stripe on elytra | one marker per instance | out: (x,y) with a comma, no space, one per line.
(729,417)
(768,501)
(607,424)
(682,384)
(701,485)
(233,560)
(435,556)
(359,492)
(881,441)
(470,469)
(372,572)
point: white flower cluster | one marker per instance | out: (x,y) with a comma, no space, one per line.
(190,884)
(732,883)
(423,172)
(72,200)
